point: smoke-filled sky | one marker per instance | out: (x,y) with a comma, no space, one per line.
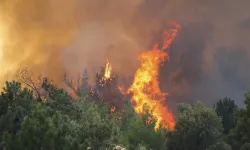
(209,58)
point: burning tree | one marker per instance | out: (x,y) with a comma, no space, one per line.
(105,89)
(145,87)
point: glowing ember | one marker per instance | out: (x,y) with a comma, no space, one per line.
(145,87)
(121,90)
(43,99)
(112,109)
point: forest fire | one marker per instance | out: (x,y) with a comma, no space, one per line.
(145,87)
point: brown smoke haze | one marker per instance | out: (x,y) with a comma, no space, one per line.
(57,36)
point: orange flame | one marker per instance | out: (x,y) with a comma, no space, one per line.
(112,109)
(108,70)
(122,90)
(145,87)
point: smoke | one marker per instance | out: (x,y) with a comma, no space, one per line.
(35,33)
(210,56)
(57,36)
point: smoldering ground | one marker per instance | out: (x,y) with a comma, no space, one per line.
(57,36)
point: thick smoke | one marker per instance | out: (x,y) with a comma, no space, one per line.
(57,36)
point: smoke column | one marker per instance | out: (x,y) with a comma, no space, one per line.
(57,36)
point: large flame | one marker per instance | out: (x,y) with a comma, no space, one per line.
(145,87)
(107,73)
(108,70)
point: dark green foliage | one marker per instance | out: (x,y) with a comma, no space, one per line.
(138,130)
(98,128)
(225,108)
(43,129)
(197,128)
(240,135)
(15,104)
(59,100)
(63,123)
(246,146)
(220,146)
(58,123)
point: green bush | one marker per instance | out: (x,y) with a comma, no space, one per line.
(63,123)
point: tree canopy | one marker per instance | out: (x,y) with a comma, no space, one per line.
(197,128)
(61,122)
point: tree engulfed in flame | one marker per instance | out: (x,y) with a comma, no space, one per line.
(145,87)
(108,70)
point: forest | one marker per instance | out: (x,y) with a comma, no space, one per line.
(37,115)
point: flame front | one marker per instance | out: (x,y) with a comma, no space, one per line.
(145,87)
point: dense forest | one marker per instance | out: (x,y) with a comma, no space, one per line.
(36,115)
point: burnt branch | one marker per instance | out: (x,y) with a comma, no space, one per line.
(40,85)
(70,84)
(27,78)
